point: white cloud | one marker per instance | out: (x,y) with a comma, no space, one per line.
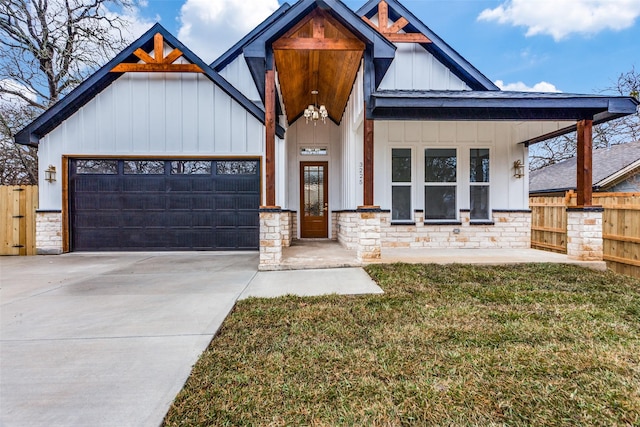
(521,87)
(210,27)
(136,25)
(560,18)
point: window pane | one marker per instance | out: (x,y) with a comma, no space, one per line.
(401,165)
(144,167)
(314,191)
(440,165)
(479,202)
(401,203)
(243,167)
(190,167)
(106,167)
(440,202)
(479,161)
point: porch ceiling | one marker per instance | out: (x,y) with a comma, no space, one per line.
(319,54)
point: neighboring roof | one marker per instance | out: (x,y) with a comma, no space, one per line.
(438,48)
(609,165)
(256,51)
(497,105)
(102,78)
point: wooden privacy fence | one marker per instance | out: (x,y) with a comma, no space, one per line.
(620,227)
(18,204)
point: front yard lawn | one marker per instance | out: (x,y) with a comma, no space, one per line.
(445,345)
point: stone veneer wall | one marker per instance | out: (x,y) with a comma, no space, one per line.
(369,235)
(271,236)
(347,228)
(584,234)
(285,228)
(509,229)
(294,225)
(48,232)
(334,225)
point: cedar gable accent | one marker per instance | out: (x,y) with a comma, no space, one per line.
(392,32)
(158,62)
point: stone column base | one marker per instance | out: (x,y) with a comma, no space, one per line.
(48,232)
(368,242)
(584,233)
(272,226)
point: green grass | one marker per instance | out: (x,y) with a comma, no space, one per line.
(457,345)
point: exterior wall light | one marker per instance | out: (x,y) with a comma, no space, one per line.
(50,174)
(518,169)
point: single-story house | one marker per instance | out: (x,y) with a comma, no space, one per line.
(615,169)
(323,122)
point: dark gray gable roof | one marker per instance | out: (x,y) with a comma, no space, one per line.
(606,162)
(438,48)
(379,50)
(102,78)
(497,105)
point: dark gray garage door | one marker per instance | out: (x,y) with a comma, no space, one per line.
(135,205)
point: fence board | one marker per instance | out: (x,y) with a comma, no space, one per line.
(620,227)
(18,206)
(549,223)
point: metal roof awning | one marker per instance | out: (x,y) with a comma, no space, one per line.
(497,105)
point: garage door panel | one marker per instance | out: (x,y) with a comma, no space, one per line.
(245,239)
(189,207)
(235,186)
(143,184)
(103,183)
(203,202)
(105,201)
(247,202)
(246,219)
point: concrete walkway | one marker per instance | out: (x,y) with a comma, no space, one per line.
(110,339)
(482,256)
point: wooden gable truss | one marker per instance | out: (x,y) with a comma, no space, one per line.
(158,62)
(392,32)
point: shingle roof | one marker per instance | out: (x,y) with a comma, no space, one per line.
(606,163)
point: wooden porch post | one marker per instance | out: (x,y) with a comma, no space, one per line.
(584,163)
(270,137)
(368,162)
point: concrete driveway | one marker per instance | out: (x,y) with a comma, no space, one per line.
(108,339)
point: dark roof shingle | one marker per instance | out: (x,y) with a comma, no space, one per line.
(606,162)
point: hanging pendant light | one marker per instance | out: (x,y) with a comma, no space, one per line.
(315,113)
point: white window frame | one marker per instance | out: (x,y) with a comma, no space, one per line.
(402,184)
(480,184)
(455,184)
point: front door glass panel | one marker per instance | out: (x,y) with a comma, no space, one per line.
(314,200)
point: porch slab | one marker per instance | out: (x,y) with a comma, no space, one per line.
(309,254)
(481,256)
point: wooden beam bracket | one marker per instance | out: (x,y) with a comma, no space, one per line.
(158,62)
(392,33)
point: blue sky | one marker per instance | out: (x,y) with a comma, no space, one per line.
(575,46)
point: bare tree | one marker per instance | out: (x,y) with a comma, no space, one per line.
(619,131)
(48,47)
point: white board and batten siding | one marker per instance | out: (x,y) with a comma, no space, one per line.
(172,114)
(237,73)
(506,191)
(413,68)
